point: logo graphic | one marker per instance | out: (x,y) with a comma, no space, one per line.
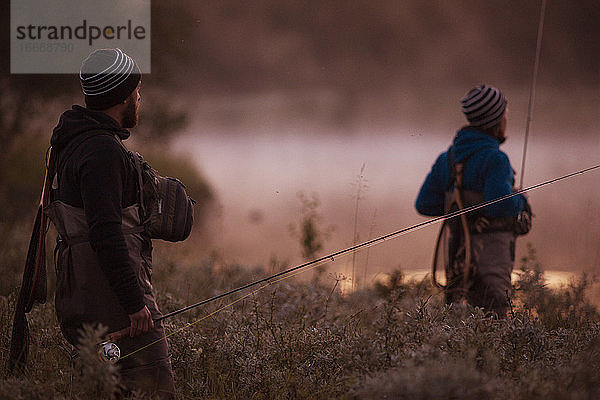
(55,36)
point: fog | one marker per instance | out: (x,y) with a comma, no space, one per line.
(287,97)
(258,165)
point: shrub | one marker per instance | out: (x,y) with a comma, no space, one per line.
(306,339)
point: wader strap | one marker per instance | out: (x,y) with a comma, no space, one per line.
(457,198)
(452,166)
(138,169)
(73,240)
(136,159)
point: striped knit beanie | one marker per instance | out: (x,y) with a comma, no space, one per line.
(483,106)
(108,77)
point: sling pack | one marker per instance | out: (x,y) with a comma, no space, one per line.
(167,210)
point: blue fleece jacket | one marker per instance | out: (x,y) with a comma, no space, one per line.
(487,171)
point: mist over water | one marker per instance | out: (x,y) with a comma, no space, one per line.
(297,98)
(257,176)
(378,84)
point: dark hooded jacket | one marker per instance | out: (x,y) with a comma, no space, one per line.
(487,171)
(95,174)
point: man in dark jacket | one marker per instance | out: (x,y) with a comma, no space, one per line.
(103,253)
(476,170)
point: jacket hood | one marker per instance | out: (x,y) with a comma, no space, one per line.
(79,120)
(469,141)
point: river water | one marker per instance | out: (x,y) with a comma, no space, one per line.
(258,176)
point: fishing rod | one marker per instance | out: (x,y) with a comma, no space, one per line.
(375,241)
(108,351)
(536,64)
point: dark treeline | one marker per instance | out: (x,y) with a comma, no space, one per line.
(378,58)
(357,49)
(234,45)
(370,44)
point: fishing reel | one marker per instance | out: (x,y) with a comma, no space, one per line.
(109,352)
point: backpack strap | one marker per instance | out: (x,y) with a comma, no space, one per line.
(455,187)
(452,168)
(458,198)
(457,169)
(137,163)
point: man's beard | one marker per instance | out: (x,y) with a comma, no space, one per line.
(130,117)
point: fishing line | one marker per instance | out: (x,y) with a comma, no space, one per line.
(331,257)
(536,65)
(224,307)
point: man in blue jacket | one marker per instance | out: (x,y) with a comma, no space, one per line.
(479,247)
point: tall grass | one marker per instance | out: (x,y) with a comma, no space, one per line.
(301,339)
(361,186)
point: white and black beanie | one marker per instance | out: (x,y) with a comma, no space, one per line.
(483,106)
(108,77)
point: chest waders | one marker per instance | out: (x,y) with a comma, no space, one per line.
(83,292)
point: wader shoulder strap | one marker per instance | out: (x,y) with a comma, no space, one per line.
(137,163)
(136,159)
(457,169)
(457,197)
(452,167)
